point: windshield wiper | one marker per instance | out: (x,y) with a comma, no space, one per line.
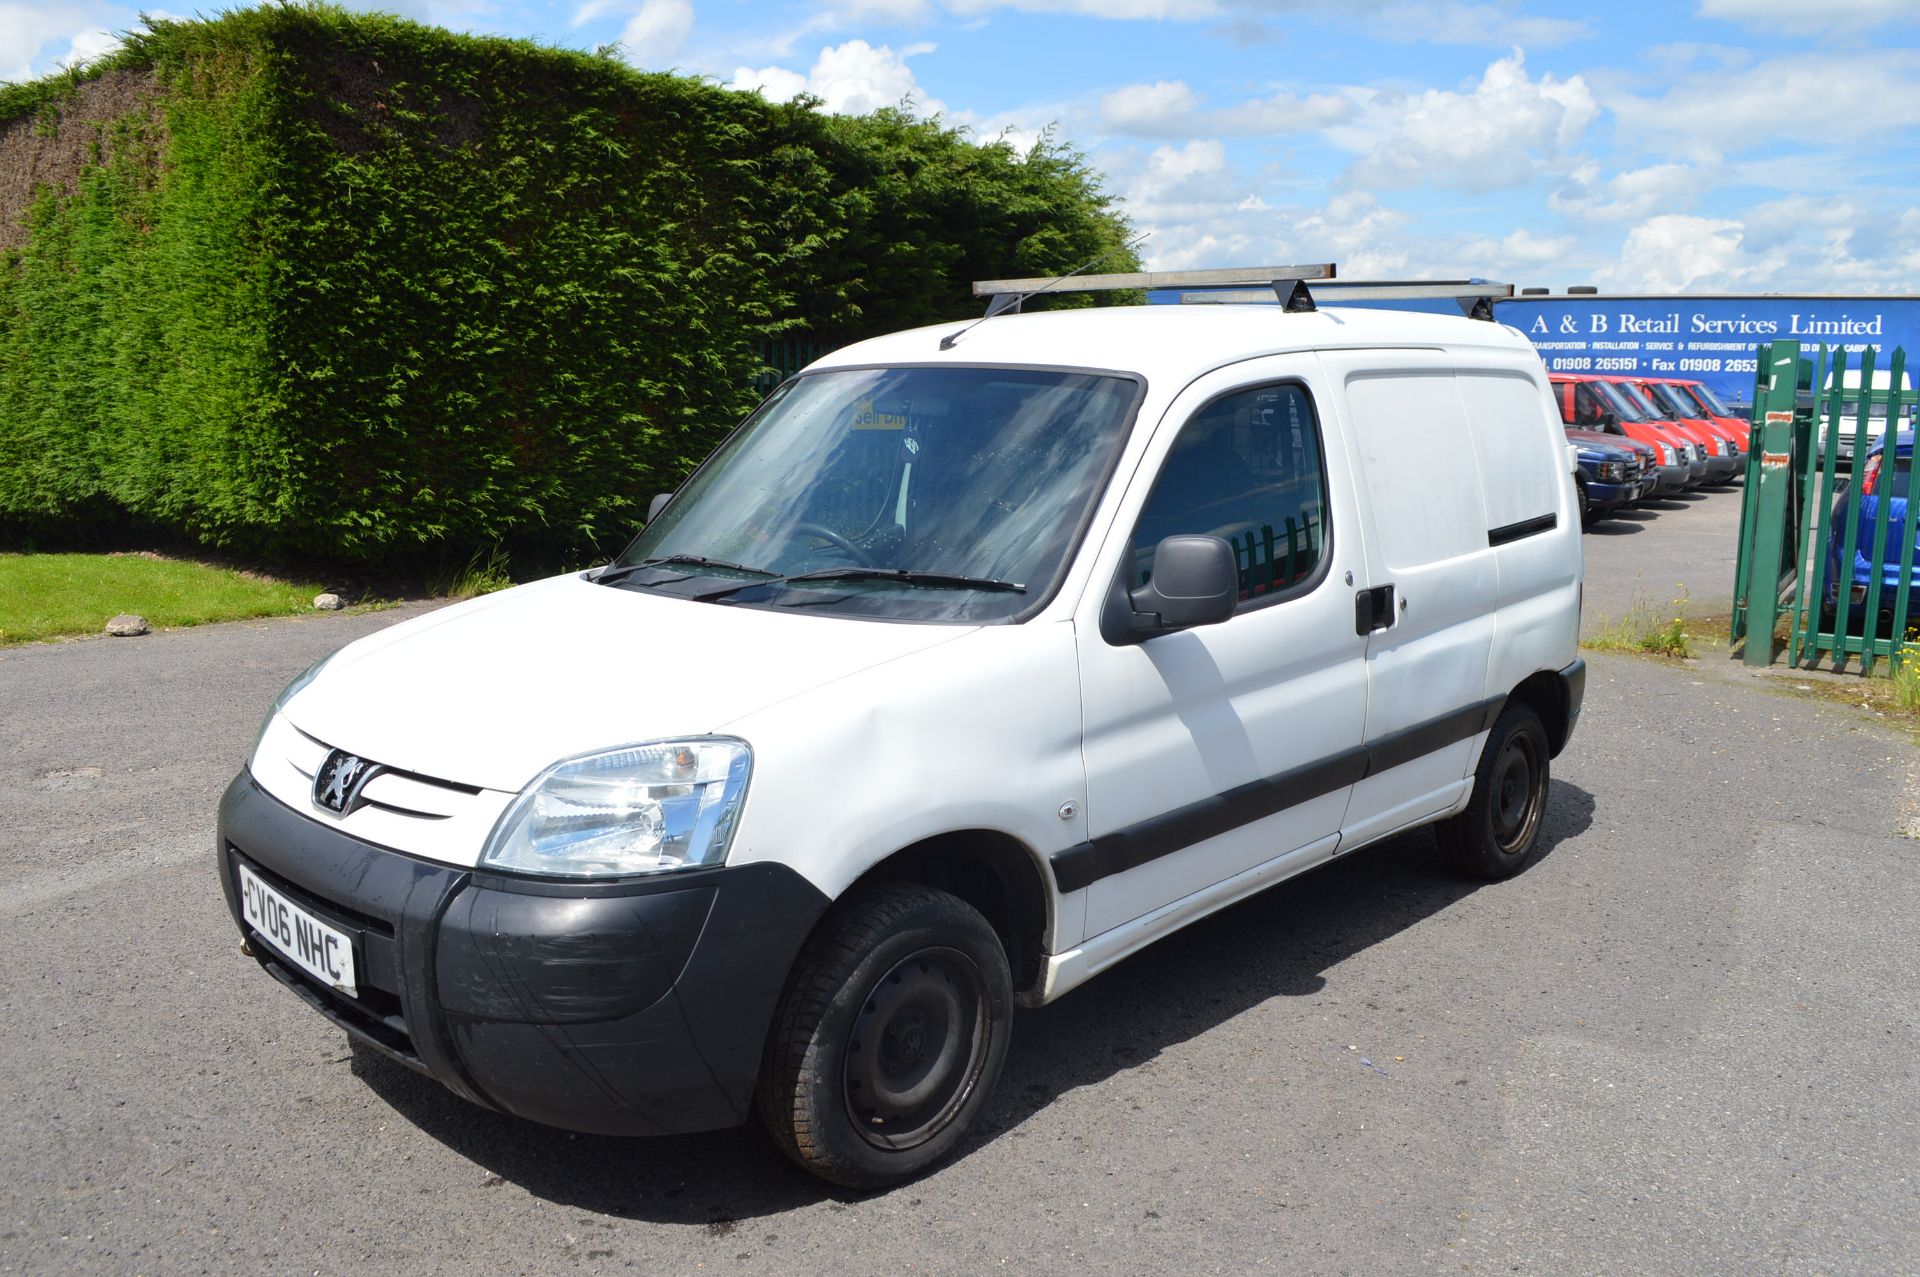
(609,575)
(901,576)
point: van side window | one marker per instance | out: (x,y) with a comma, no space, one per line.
(1587,408)
(1246,468)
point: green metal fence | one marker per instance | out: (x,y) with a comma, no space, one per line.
(1826,539)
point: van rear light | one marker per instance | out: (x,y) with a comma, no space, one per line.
(1870,477)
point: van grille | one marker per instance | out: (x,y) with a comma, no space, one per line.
(400,792)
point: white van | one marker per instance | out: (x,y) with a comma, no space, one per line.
(1850,412)
(960,672)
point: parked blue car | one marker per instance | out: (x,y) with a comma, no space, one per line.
(1613,471)
(1877,481)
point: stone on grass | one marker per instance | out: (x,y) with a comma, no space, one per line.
(329,602)
(127,625)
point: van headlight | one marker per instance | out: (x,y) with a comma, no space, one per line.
(633,810)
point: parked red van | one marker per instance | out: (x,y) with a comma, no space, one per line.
(1711,405)
(1723,462)
(1588,402)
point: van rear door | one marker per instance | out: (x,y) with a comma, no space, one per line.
(1428,601)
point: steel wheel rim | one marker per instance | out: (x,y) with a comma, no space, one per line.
(917,1048)
(1518,792)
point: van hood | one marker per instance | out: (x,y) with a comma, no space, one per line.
(493,691)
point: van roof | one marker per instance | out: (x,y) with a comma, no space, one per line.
(1172,341)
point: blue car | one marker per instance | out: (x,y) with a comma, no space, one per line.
(1877,481)
(1613,471)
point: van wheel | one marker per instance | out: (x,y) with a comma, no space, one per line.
(1586,511)
(889,1037)
(1499,831)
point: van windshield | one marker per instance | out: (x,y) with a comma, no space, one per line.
(939,494)
(1714,404)
(1623,407)
(1676,404)
(1649,410)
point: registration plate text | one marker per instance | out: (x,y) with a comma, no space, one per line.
(322,951)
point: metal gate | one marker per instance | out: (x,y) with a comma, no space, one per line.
(1826,540)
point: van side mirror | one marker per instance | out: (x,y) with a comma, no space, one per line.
(659,503)
(1196,581)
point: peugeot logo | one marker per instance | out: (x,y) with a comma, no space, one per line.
(337,785)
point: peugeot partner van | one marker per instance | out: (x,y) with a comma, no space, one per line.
(973,662)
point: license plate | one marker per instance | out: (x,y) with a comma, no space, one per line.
(323,952)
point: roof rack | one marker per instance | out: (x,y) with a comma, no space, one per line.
(1263,276)
(1475,297)
(1297,289)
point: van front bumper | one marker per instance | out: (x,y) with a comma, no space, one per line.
(1669,479)
(630,1008)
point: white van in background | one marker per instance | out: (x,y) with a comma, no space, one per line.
(971,664)
(1850,412)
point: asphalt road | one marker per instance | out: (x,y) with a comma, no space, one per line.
(1678,549)
(1684,1041)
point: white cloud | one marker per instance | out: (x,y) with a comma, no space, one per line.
(1804,97)
(1355,231)
(88,45)
(850,79)
(1197,209)
(1500,133)
(1801,242)
(28,29)
(1629,196)
(29,34)
(1675,252)
(594,9)
(1163,109)
(1496,25)
(1171,109)
(1799,17)
(656,33)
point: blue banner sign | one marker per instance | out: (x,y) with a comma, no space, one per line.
(1706,339)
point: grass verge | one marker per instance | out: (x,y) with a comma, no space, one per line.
(1645,628)
(46,596)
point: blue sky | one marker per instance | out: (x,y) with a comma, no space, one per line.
(1731,145)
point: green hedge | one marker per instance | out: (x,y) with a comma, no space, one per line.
(299,281)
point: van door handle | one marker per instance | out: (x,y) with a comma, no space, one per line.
(1373,610)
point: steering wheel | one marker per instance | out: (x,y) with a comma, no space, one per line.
(833,539)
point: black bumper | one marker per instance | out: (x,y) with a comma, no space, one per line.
(1573,687)
(636,1008)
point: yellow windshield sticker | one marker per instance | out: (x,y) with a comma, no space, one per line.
(865,418)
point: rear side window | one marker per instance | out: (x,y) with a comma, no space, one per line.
(1246,468)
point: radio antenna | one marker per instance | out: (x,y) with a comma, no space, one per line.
(1003,302)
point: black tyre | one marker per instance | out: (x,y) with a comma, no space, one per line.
(889,1037)
(1586,512)
(1499,831)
